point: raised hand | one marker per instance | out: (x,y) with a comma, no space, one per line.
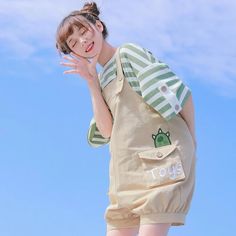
(80,65)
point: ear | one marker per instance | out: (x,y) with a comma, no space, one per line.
(99,25)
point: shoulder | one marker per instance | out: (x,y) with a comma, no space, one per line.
(132,47)
(136,51)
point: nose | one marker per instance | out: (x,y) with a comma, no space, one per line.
(83,41)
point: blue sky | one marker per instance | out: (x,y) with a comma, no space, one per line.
(52,182)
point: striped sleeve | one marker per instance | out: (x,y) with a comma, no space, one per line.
(160,87)
(94,137)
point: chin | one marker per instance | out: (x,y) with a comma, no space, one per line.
(92,56)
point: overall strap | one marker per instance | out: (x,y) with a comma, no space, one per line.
(120,75)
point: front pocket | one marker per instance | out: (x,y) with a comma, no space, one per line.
(162,165)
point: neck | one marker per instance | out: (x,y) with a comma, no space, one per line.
(106,54)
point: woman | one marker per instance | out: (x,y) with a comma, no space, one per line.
(145,113)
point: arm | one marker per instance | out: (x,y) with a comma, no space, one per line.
(101,112)
(87,70)
(159,86)
(187,113)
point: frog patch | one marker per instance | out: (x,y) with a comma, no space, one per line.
(161,138)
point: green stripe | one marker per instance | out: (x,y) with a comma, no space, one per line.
(110,66)
(154,80)
(152,70)
(172,82)
(101,141)
(186,98)
(150,94)
(95,145)
(180,90)
(137,61)
(157,101)
(125,65)
(110,74)
(129,74)
(108,77)
(98,136)
(134,83)
(92,131)
(170,116)
(98,142)
(165,108)
(91,135)
(137,50)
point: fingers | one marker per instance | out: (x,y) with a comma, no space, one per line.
(74,65)
(68,64)
(80,65)
(69,58)
(70,72)
(74,58)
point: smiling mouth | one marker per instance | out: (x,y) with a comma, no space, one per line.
(90,47)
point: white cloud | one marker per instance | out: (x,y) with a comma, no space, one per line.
(197,36)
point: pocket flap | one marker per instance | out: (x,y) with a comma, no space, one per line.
(157,153)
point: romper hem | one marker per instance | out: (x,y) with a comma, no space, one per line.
(124,224)
(175,219)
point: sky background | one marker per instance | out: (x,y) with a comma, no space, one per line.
(51,181)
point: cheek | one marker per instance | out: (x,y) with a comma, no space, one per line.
(100,40)
(78,49)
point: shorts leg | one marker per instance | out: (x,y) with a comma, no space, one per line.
(125,223)
(177,218)
(120,218)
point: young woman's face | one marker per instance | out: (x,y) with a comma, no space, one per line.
(86,42)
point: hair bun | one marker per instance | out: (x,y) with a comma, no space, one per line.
(91,8)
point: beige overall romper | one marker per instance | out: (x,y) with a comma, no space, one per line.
(152,164)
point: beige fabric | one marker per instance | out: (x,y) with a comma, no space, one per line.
(151,181)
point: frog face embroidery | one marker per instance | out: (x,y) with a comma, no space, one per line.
(161,138)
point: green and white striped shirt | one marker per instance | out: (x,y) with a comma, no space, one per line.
(150,78)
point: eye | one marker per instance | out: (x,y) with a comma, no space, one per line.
(74,44)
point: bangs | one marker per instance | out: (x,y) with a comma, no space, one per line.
(66,28)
